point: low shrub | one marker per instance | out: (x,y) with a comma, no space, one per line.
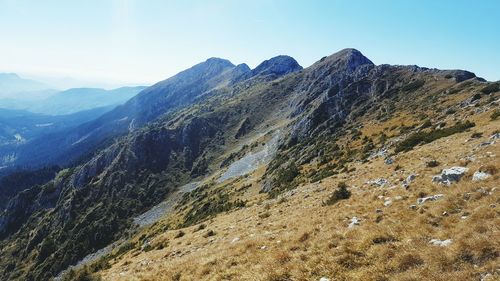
(428,137)
(340,194)
(495,114)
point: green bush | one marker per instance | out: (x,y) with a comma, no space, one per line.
(495,87)
(412,86)
(423,137)
(495,114)
(340,194)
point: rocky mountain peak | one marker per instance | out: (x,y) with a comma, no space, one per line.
(279,65)
(213,61)
(348,58)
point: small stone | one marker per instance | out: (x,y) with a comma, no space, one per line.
(354,222)
(236,239)
(441,243)
(389,161)
(408,180)
(479,176)
(495,136)
(486,143)
(445,214)
(486,276)
(422,200)
(263,247)
(387,202)
(413,207)
(324,279)
(379,182)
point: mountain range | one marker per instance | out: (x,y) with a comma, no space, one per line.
(219,139)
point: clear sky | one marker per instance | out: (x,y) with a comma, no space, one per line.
(144,41)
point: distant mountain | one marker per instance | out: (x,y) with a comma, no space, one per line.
(18,127)
(194,84)
(14,87)
(79,99)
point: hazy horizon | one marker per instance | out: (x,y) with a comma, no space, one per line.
(128,42)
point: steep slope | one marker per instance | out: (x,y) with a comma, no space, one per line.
(161,98)
(385,135)
(318,116)
(119,180)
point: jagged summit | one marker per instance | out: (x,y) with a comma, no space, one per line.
(279,65)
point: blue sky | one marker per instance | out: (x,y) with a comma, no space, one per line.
(143,41)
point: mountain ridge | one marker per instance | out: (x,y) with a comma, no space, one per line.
(318,113)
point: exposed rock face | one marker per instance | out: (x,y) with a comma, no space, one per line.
(448,176)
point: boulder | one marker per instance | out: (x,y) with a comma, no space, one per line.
(448,176)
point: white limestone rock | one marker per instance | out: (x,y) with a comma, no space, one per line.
(448,176)
(479,176)
(441,243)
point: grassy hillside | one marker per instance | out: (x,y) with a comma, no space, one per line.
(342,204)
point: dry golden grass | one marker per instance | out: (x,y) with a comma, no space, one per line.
(297,237)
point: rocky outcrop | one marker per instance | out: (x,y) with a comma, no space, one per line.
(451,175)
